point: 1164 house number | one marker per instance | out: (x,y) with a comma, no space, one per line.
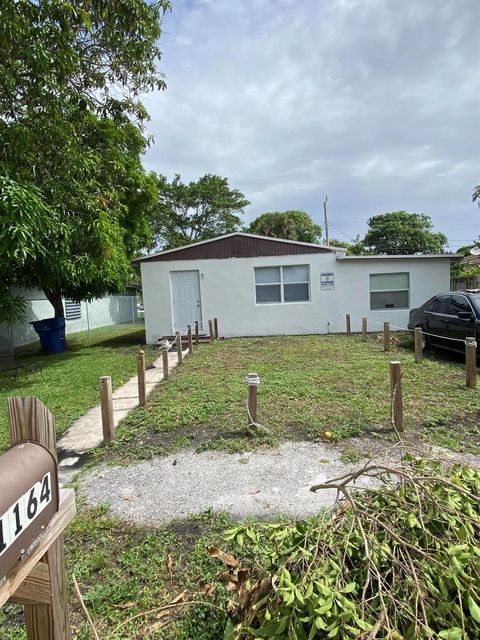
(24,511)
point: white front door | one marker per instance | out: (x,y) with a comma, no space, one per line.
(185,299)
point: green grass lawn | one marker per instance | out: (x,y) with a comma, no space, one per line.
(70,386)
(310,384)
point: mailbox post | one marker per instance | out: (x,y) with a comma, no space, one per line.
(34,514)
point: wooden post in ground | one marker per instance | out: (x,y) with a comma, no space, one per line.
(471,362)
(211,330)
(364,329)
(190,340)
(179,347)
(349,326)
(165,362)
(106,403)
(386,336)
(29,419)
(142,389)
(418,344)
(215,326)
(197,332)
(396,394)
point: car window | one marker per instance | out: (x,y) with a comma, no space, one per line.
(457,304)
(475,300)
(439,304)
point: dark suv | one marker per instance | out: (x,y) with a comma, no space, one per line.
(455,314)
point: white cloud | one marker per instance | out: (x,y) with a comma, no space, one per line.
(374,102)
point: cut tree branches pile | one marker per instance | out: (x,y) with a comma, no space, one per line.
(400,560)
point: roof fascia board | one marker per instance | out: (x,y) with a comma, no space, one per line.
(433,256)
(238,233)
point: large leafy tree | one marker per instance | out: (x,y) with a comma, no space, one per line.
(291,225)
(199,210)
(402,233)
(73,192)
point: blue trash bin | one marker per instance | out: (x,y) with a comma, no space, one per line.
(51,332)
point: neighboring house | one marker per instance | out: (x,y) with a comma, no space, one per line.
(79,316)
(267,286)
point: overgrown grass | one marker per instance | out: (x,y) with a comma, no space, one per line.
(310,384)
(70,386)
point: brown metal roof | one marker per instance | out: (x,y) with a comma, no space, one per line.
(238,245)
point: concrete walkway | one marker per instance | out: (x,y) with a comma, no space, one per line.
(86,432)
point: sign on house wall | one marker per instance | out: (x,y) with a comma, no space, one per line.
(327,281)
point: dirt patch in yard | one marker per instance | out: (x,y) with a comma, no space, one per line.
(263,484)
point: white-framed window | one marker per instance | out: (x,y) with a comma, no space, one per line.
(274,285)
(389,290)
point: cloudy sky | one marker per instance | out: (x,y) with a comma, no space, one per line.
(373,102)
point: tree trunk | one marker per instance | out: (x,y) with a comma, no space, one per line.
(56,301)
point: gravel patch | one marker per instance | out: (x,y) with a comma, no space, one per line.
(262,484)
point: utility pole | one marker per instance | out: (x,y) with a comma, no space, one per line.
(326,219)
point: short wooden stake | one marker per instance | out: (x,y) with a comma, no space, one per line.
(348,323)
(197,332)
(418,344)
(165,362)
(179,347)
(190,340)
(106,402)
(142,389)
(364,329)
(211,330)
(215,326)
(396,394)
(386,336)
(471,362)
(29,419)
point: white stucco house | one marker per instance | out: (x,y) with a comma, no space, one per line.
(267,286)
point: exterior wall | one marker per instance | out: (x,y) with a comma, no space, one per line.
(427,277)
(227,290)
(105,311)
(98,313)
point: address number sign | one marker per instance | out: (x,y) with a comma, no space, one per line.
(28,499)
(26,509)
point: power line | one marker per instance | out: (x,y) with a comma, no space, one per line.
(340,231)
